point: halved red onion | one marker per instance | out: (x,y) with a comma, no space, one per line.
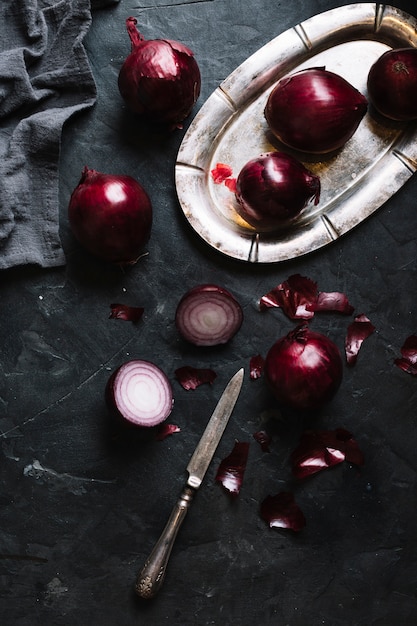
(192,377)
(304,369)
(140,393)
(359,330)
(160,79)
(126,312)
(314,110)
(319,450)
(392,84)
(208,315)
(232,468)
(273,188)
(281,511)
(408,360)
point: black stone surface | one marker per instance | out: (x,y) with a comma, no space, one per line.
(80,508)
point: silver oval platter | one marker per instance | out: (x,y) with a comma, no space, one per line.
(230,128)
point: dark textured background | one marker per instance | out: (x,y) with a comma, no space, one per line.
(80,509)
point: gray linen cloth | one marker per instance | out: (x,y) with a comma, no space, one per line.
(45,77)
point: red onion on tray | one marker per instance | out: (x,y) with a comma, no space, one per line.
(392,84)
(160,79)
(273,189)
(140,393)
(111,216)
(304,369)
(208,315)
(314,110)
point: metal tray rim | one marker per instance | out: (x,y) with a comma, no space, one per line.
(355,22)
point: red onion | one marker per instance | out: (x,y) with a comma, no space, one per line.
(273,189)
(304,369)
(392,84)
(111,216)
(160,79)
(208,315)
(314,110)
(140,393)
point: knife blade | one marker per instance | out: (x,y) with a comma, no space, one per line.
(152,574)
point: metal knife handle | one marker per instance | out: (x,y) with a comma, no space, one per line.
(152,575)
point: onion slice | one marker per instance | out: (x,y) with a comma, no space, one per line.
(192,377)
(232,468)
(281,511)
(208,315)
(140,393)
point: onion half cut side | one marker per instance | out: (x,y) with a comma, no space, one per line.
(208,315)
(140,393)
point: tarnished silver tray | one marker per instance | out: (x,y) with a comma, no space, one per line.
(230,128)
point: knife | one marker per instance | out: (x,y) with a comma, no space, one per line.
(152,574)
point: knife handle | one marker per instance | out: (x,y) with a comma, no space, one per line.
(152,575)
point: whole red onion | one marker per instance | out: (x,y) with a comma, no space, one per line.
(111,216)
(314,110)
(273,189)
(392,84)
(304,369)
(160,79)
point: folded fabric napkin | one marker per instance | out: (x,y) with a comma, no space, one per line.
(45,77)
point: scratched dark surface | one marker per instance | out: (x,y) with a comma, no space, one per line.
(80,508)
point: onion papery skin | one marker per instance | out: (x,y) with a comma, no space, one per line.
(140,393)
(392,84)
(314,111)
(111,216)
(304,369)
(273,189)
(160,80)
(208,315)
